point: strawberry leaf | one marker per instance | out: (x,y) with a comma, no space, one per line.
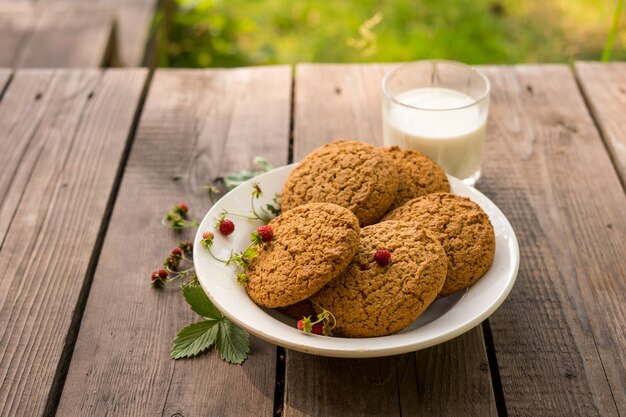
(194,339)
(232,343)
(199,302)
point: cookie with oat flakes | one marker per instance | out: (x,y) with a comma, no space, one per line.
(371,300)
(465,231)
(311,245)
(351,174)
(418,175)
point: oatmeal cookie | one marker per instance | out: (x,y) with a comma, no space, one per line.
(348,173)
(465,231)
(312,244)
(418,175)
(371,300)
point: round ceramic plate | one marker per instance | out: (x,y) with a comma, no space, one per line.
(445,319)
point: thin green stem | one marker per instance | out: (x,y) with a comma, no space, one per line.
(610,39)
(224,261)
(240,216)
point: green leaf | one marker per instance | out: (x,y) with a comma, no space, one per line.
(251,252)
(195,339)
(232,343)
(199,302)
(263,163)
(236,178)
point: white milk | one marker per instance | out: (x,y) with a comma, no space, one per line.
(453,138)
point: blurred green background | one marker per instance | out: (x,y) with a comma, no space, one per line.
(224,33)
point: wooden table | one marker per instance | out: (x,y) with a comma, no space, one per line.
(91,160)
(76,33)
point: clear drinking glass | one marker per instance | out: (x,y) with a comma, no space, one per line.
(440,109)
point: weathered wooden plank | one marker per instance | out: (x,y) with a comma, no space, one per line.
(55,35)
(560,336)
(68,35)
(333,101)
(25,106)
(5,76)
(75,152)
(134,20)
(604,86)
(337,101)
(196,126)
(16,21)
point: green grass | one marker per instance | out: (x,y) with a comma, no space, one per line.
(246,32)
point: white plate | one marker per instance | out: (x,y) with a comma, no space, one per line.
(445,319)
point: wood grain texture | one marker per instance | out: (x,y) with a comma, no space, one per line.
(23,109)
(16,23)
(5,76)
(72,159)
(334,101)
(196,125)
(55,35)
(604,86)
(560,337)
(337,101)
(134,20)
(68,35)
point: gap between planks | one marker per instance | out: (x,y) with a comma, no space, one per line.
(50,241)
(343,101)
(196,125)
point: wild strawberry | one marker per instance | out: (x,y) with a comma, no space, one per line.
(226,226)
(318,328)
(305,325)
(382,257)
(207,235)
(156,280)
(177,252)
(171,263)
(266,233)
(186,247)
(184,208)
(162,273)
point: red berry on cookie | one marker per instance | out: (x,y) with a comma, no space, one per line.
(382,257)
(266,233)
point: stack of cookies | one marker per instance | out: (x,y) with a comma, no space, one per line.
(371,235)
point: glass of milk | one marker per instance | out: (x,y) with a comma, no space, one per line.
(440,109)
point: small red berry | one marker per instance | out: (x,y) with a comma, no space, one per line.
(318,328)
(177,252)
(157,281)
(382,257)
(172,262)
(183,207)
(266,233)
(162,273)
(207,235)
(301,324)
(226,227)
